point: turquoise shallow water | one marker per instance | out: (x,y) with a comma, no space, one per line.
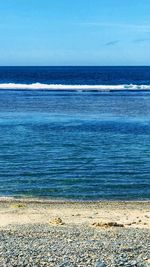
(75,145)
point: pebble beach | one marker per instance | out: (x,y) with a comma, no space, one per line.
(50,233)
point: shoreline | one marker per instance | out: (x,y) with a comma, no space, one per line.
(65,200)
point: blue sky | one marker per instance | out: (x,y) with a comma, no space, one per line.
(74,32)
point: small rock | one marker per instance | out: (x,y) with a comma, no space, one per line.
(100,264)
(56,221)
(109,224)
(133,263)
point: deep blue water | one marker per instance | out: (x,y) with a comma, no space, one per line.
(72,144)
(76,75)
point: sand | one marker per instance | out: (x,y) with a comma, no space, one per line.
(34,211)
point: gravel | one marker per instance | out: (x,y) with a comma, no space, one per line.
(73,246)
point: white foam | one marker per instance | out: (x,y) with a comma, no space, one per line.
(40,86)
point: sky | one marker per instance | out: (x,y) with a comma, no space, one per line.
(74,32)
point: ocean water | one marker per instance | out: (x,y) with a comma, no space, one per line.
(75,144)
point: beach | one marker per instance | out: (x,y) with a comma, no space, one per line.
(38,232)
(75,133)
(74,167)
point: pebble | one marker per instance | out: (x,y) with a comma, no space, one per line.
(48,245)
(100,264)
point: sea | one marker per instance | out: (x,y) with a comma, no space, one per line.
(75,133)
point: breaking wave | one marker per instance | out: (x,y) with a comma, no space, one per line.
(42,86)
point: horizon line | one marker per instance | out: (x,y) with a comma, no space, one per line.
(53,66)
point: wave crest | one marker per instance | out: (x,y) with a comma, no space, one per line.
(42,86)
